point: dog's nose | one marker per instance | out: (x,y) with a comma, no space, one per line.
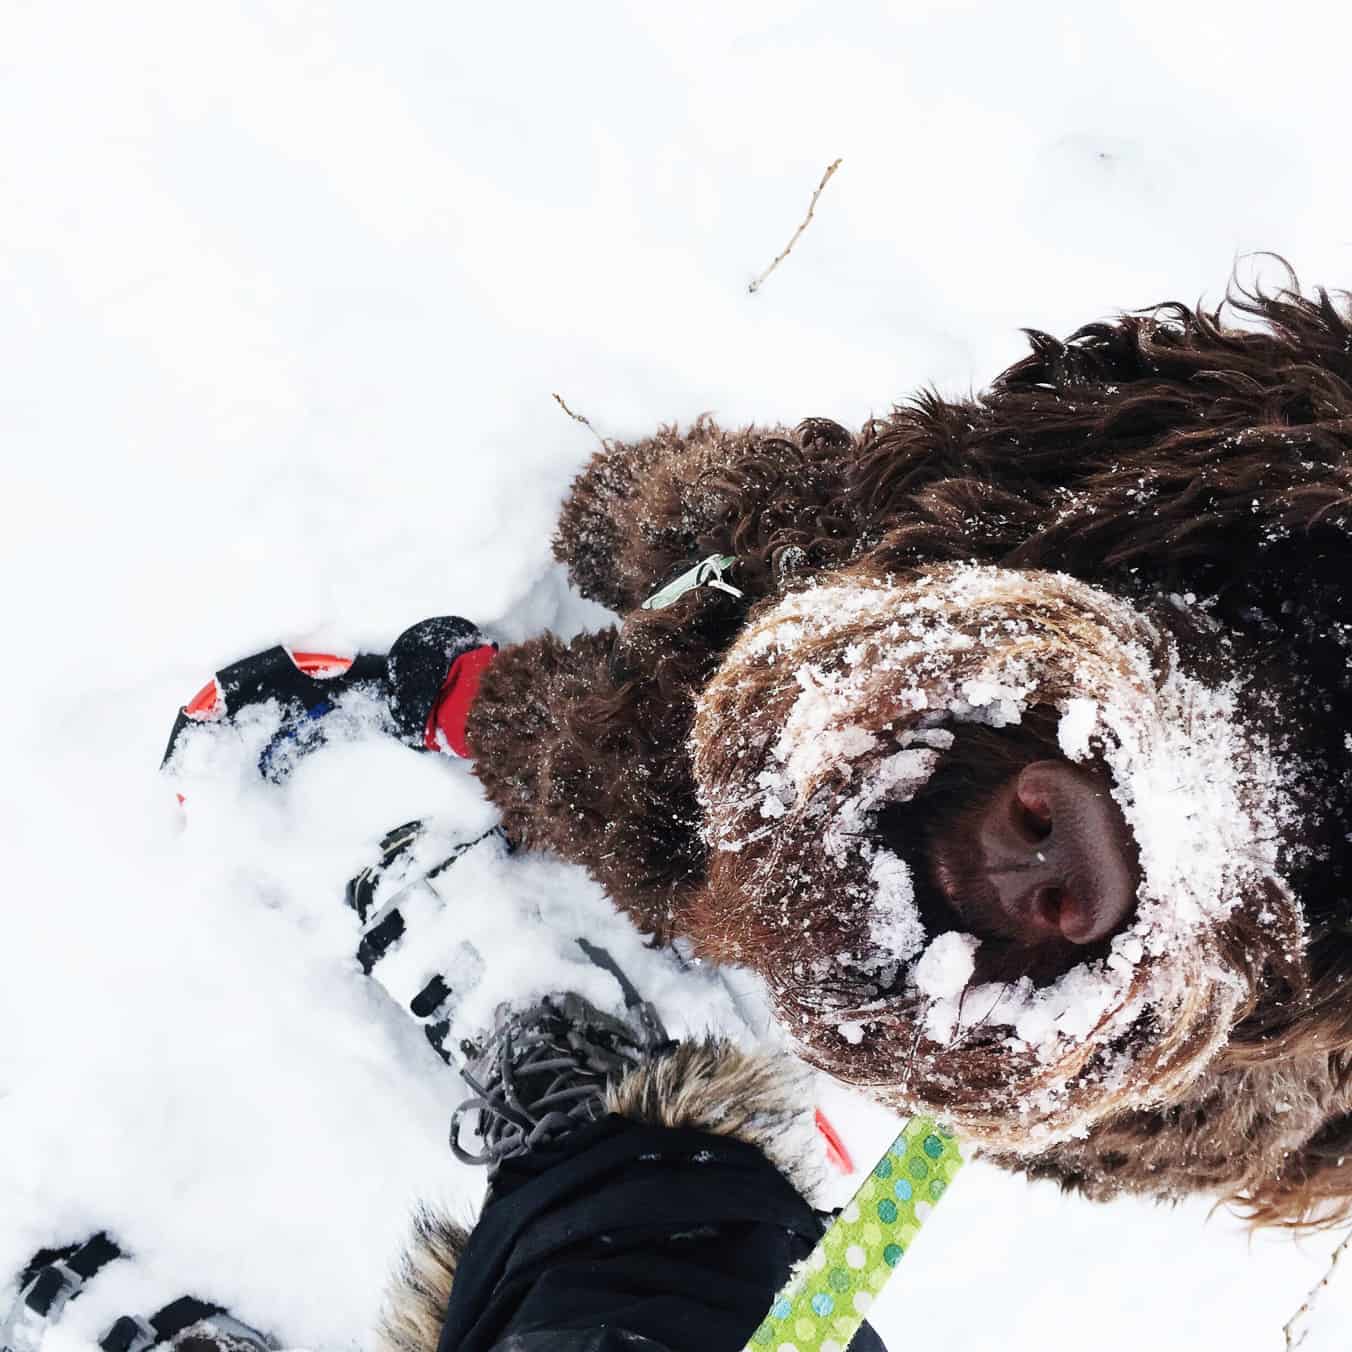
(1058,854)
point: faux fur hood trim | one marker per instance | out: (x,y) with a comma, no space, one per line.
(761,1098)
(420,1289)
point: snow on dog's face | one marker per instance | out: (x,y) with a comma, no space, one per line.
(1026,951)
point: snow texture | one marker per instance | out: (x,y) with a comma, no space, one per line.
(947,965)
(288,291)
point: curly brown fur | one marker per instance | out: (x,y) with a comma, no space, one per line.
(788,819)
(640,512)
(1169,453)
(1280,1110)
(549,727)
(552,721)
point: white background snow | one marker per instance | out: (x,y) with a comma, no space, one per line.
(287,289)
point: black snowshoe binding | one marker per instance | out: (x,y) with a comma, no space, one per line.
(544,1069)
(186,1325)
(388,896)
(49,1282)
(307,688)
(422,691)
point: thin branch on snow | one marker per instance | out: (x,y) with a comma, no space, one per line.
(788,248)
(586,422)
(1289,1328)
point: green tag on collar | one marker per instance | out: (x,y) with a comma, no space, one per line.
(831,1291)
(707,573)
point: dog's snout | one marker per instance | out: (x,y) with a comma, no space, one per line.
(1057,854)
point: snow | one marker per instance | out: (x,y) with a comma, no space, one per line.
(1076,727)
(809,747)
(288,292)
(947,965)
(852,1032)
(894,923)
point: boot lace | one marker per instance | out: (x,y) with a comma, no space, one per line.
(543,1073)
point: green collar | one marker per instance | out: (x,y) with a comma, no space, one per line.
(831,1291)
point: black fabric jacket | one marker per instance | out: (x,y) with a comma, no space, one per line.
(630,1238)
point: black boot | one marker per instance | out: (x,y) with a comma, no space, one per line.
(544,1072)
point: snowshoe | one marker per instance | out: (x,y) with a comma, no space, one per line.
(393,894)
(185,1323)
(434,671)
(307,688)
(424,688)
(53,1278)
(49,1282)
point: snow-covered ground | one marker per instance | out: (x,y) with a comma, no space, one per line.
(288,288)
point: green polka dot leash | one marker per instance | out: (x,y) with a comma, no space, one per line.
(831,1292)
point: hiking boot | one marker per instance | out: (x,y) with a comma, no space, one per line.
(544,1072)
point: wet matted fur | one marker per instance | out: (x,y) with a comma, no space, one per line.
(711,1085)
(1190,473)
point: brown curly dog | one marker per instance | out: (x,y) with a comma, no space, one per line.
(1012,750)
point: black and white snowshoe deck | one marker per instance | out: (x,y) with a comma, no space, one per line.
(53,1278)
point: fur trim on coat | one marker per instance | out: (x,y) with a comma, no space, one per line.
(420,1289)
(760,1098)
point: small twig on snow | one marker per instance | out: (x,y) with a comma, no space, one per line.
(586,422)
(1289,1328)
(788,248)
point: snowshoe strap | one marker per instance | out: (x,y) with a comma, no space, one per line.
(133,1334)
(55,1277)
(84,1259)
(305,690)
(654,1032)
(383,892)
(446,724)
